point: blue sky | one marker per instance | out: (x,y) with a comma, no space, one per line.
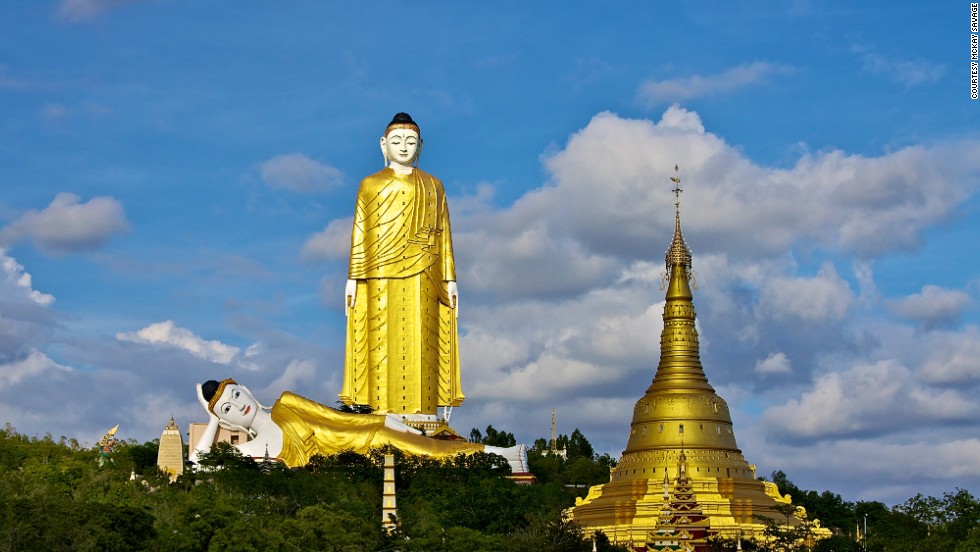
(178,180)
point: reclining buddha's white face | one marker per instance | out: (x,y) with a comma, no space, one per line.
(236,406)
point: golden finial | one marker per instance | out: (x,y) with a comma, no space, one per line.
(677,189)
(678,253)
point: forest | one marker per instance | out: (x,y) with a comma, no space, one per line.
(55,496)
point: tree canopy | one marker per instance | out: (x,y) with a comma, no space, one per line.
(54,496)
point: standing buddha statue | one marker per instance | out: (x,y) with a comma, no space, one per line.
(401,296)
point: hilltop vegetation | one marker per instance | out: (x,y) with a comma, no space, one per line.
(950,523)
(53,496)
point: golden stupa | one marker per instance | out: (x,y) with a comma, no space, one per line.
(681,434)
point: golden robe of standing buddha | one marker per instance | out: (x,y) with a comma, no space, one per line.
(401,350)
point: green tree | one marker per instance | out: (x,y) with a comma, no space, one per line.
(579,447)
(962,514)
(971,542)
(493,437)
(549,533)
(455,538)
(140,458)
(110,527)
(323,527)
(226,456)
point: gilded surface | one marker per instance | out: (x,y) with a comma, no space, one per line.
(401,351)
(680,413)
(170,454)
(311,428)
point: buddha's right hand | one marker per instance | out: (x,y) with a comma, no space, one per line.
(350,294)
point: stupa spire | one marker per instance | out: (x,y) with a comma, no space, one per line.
(678,253)
(680,356)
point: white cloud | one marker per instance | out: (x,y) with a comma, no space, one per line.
(775,363)
(680,89)
(866,400)
(609,196)
(952,357)
(68,226)
(540,258)
(16,283)
(27,324)
(167,334)
(824,297)
(866,469)
(532,351)
(331,243)
(299,173)
(32,365)
(932,307)
(298,374)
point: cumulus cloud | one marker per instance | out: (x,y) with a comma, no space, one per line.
(540,258)
(676,90)
(33,365)
(331,243)
(952,357)
(608,197)
(932,307)
(866,400)
(167,334)
(298,374)
(26,323)
(299,173)
(877,476)
(775,363)
(15,283)
(67,225)
(529,349)
(824,297)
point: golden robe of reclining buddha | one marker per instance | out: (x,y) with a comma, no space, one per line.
(401,351)
(310,428)
(294,429)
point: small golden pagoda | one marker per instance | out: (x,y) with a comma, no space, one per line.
(681,421)
(170,456)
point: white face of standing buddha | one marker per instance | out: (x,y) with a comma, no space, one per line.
(401,145)
(236,406)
